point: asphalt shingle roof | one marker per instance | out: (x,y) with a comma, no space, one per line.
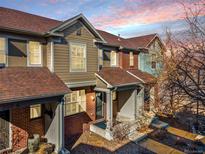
(26,83)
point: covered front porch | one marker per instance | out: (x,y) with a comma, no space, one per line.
(119,100)
(31,109)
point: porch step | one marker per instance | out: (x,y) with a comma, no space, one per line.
(137,137)
(159,124)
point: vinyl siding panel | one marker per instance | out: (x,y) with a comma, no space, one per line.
(17,53)
(62,57)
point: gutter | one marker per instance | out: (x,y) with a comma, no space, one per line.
(31,98)
(21,31)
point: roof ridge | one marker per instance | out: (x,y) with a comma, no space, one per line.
(111,34)
(142,36)
(19,11)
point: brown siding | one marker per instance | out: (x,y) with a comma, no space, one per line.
(100,84)
(17,53)
(61,57)
(23,127)
(125,60)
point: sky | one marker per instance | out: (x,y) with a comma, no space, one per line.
(128,18)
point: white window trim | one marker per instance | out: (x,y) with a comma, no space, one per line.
(40,111)
(28,54)
(99,58)
(116,61)
(81,44)
(151,59)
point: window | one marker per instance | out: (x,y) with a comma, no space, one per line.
(113,59)
(35,111)
(2,50)
(100,57)
(153,61)
(131,59)
(35,54)
(75,102)
(78,57)
(114,95)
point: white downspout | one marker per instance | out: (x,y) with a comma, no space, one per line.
(62,149)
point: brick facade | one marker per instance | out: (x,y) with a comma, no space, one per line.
(23,127)
(77,123)
(124,60)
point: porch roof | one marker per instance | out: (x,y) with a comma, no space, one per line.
(115,77)
(143,76)
(26,83)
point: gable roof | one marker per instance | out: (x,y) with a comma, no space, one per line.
(26,83)
(18,20)
(142,76)
(134,43)
(116,77)
(15,20)
(72,20)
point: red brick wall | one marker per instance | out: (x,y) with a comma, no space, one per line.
(90,104)
(77,123)
(22,127)
(124,60)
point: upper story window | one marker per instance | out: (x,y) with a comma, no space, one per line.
(113,58)
(100,57)
(2,50)
(34,54)
(77,57)
(131,59)
(153,61)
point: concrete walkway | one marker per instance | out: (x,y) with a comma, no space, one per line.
(184,134)
(159,148)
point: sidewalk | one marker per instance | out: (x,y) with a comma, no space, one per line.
(157,147)
(185,134)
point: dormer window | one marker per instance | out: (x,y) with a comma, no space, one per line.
(113,58)
(2,50)
(153,61)
(34,54)
(131,59)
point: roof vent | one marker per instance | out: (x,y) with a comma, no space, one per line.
(118,37)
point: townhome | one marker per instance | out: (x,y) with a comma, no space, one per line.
(103,80)
(31,96)
(123,89)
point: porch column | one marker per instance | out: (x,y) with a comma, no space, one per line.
(135,104)
(109,106)
(61,130)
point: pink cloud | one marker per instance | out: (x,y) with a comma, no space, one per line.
(143,12)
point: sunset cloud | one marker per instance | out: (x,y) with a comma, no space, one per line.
(142,12)
(127,17)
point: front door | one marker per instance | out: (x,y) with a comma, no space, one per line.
(4,130)
(100,105)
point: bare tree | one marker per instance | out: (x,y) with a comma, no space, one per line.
(184,73)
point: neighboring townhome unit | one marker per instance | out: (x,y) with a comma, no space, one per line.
(123,91)
(31,96)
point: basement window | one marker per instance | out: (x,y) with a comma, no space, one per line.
(35,111)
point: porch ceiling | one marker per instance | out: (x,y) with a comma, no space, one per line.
(24,83)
